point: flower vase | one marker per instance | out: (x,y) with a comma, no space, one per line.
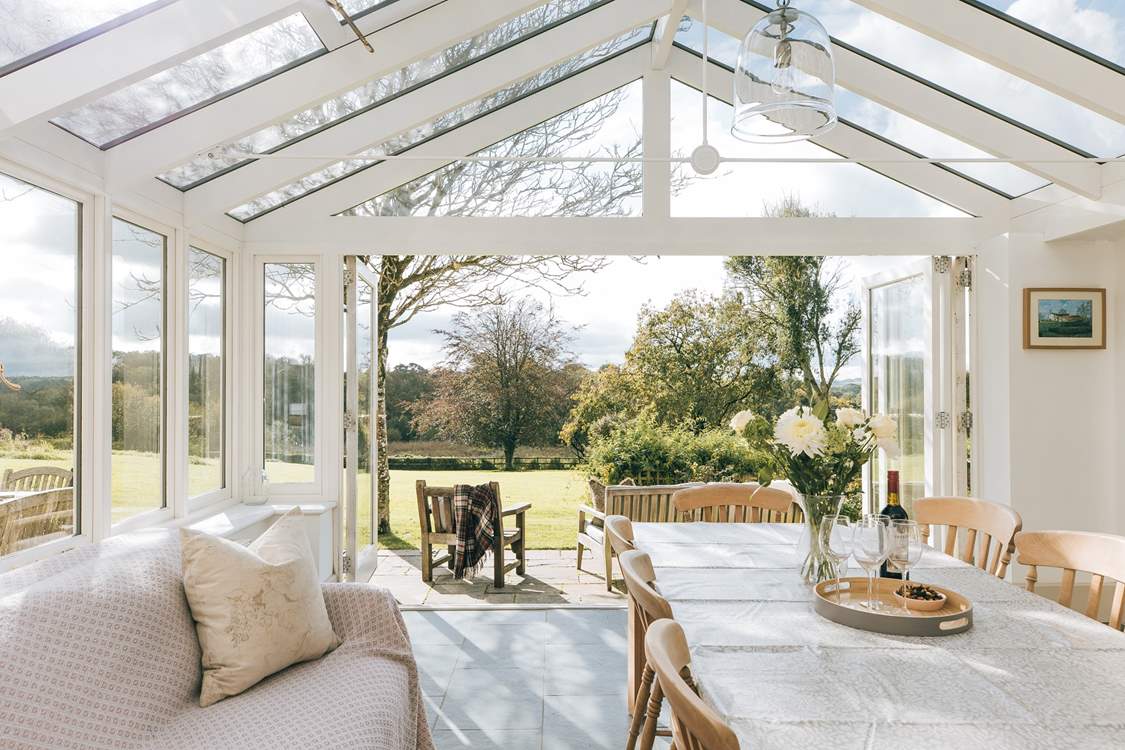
(816,563)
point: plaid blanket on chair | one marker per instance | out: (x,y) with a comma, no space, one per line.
(476,511)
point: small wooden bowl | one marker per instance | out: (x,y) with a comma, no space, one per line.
(921,605)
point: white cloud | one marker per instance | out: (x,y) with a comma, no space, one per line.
(1086,27)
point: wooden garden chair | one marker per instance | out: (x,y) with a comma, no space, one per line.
(1100,555)
(435,515)
(731,502)
(695,725)
(36,479)
(992,524)
(651,504)
(619,531)
(649,607)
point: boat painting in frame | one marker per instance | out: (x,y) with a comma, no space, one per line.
(1061,318)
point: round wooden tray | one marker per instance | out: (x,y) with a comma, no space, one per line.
(955,617)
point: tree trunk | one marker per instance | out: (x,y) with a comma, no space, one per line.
(382,465)
(509,454)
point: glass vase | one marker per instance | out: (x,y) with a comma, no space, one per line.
(816,563)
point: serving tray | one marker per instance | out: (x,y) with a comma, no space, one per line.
(955,617)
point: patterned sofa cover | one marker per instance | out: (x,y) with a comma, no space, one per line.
(98,650)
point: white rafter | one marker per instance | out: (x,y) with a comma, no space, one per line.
(665,34)
(933,107)
(325,23)
(408,39)
(129,53)
(1014,49)
(420,106)
(856,144)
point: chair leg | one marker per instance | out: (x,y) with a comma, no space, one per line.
(452,549)
(580,550)
(498,564)
(608,565)
(640,705)
(652,713)
(521,554)
(427,561)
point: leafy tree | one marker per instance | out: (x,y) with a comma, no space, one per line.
(505,380)
(407,385)
(797,298)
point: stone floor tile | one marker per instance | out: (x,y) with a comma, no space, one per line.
(591,722)
(487,739)
(483,714)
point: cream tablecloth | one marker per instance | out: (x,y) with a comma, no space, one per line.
(1029,674)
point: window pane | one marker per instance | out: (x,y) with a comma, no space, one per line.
(29,27)
(128,111)
(206,358)
(366,531)
(1096,26)
(374,92)
(289,390)
(39,237)
(355,8)
(137,468)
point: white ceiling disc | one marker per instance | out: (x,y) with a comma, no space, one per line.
(705,159)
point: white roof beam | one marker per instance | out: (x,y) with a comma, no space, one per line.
(1014,49)
(409,39)
(626,236)
(466,139)
(666,29)
(129,53)
(949,114)
(326,25)
(857,144)
(422,105)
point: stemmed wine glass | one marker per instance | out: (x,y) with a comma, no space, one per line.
(836,538)
(872,545)
(906,546)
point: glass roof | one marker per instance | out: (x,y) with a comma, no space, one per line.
(32,27)
(127,112)
(747,190)
(893,126)
(989,87)
(1096,27)
(609,126)
(375,92)
(442,124)
(358,7)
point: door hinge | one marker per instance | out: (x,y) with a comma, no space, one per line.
(345,563)
(941,264)
(965,421)
(349,421)
(349,277)
(942,419)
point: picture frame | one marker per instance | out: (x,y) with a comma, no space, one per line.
(1064,318)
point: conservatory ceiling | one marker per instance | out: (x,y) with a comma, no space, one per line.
(269,122)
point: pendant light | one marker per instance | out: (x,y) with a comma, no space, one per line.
(785,79)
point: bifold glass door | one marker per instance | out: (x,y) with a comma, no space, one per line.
(359,550)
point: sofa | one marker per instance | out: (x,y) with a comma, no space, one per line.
(98,650)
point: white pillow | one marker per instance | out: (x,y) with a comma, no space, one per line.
(257,609)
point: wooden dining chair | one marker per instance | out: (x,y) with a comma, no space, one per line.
(636,567)
(695,725)
(991,524)
(619,531)
(1100,555)
(731,502)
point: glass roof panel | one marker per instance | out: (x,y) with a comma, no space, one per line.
(1095,26)
(31,27)
(608,126)
(358,7)
(129,111)
(374,92)
(987,86)
(891,125)
(745,190)
(442,124)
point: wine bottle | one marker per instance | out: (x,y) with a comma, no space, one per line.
(894,511)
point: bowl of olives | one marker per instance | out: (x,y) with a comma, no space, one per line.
(919,596)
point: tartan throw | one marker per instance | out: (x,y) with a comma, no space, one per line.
(476,513)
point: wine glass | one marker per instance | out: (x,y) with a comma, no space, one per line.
(870,549)
(836,538)
(906,546)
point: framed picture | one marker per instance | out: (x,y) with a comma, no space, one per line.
(1064,318)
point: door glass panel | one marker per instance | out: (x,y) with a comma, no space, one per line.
(137,469)
(364,348)
(898,383)
(206,354)
(39,241)
(289,387)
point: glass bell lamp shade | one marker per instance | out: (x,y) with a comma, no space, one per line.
(784,80)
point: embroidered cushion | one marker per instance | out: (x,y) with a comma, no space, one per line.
(257,609)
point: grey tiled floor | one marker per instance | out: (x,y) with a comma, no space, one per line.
(523,679)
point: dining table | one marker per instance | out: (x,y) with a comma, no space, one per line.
(1029,674)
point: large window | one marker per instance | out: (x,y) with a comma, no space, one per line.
(289,383)
(206,368)
(39,304)
(137,468)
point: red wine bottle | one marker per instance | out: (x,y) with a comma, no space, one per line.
(894,511)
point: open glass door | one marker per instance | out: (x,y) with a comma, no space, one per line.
(361,533)
(901,337)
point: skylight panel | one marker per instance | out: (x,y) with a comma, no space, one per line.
(31,29)
(1096,27)
(360,7)
(374,92)
(125,113)
(444,123)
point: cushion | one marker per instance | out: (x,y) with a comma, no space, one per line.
(258,609)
